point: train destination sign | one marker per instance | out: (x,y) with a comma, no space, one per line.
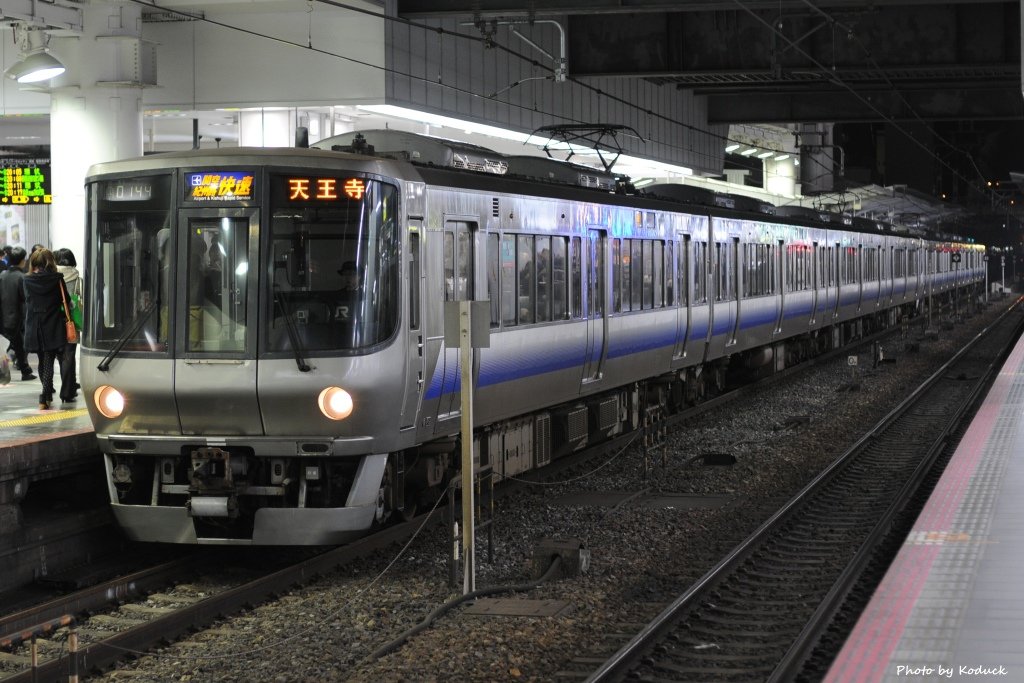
(219,186)
(325,189)
(25,184)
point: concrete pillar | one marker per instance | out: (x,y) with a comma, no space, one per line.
(780,176)
(736,176)
(95,111)
(817,157)
(266,128)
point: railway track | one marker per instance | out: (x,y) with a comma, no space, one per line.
(134,613)
(144,619)
(761,610)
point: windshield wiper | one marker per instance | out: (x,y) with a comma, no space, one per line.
(135,326)
(293,333)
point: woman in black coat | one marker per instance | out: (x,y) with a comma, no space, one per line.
(45,332)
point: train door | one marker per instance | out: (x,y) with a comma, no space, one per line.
(815,283)
(859,274)
(215,365)
(458,263)
(415,356)
(684,311)
(780,287)
(838,279)
(724,316)
(734,277)
(594,287)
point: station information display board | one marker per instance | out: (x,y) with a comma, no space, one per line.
(25,181)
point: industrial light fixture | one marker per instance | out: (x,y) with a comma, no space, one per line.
(36,64)
(734,147)
(36,67)
(748,152)
(781,157)
(764,155)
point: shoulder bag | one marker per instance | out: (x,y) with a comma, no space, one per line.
(69,325)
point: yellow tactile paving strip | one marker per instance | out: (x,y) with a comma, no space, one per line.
(43,417)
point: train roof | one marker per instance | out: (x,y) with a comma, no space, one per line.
(422,149)
(688,194)
(443,153)
(434,158)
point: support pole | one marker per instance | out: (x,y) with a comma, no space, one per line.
(468,469)
(985,264)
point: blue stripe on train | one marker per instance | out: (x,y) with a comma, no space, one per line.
(498,370)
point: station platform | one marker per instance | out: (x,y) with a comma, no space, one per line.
(21,419)
(951,606)
(51,486)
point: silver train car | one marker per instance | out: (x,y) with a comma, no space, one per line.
(264,353)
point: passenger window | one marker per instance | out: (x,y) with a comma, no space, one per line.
(525,268)
(543,263)
(700,272)
(670,274)
(658,274)
(508,280)
(627,278)
(616,276)
(559,284)
(464,284)
(576,278)
(414,280)
(449,266)
(648,274)
(493,272)
(636,284)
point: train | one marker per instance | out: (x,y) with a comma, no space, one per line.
(264,350)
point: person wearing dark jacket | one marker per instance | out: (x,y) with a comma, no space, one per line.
(67,266)
(12,310)
(45,334)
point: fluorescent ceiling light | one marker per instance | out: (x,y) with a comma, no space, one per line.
(781,157)
(40,66)
(732,148)
(647,168)
(764,155)
(748,152)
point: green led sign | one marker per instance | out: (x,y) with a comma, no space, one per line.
(25,184)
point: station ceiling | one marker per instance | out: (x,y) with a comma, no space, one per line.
(791,61)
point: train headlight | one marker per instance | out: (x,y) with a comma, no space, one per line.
(335,403)
(109,401)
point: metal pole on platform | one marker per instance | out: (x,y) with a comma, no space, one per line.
(984,260)
(468,470)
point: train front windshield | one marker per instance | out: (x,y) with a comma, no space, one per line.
(130,275)
(329,280)
(334,264)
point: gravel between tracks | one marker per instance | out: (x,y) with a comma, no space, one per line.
(642,555)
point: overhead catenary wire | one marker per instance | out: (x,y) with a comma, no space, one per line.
(533,108)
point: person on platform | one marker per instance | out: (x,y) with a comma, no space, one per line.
(67,266)
(45,294)
(12,310)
